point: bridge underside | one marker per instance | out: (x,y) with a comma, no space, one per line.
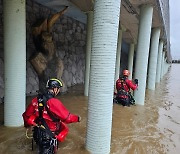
(129,16)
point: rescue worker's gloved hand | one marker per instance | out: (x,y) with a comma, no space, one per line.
(79,118)
(136,81)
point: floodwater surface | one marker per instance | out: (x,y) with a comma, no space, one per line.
(150,129)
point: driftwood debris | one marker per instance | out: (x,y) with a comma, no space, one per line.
(45,49)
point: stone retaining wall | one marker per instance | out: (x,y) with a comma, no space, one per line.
(69,37)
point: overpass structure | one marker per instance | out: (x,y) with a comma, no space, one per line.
(143,24)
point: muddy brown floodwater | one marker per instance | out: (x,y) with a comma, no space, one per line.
(150,129)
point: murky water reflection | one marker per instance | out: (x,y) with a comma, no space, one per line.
(150,129)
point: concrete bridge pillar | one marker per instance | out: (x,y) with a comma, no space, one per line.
(118,54)
(88,51)
(130,60)
(15,61)
(162,65)
(159,61)
(142,53)
(165,66)
(102,74)
(153,58)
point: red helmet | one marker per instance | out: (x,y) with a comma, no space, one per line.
(126,73)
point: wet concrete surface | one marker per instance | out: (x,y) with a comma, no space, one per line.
(150,129)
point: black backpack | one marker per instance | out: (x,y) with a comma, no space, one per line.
(122,91)
(42,135)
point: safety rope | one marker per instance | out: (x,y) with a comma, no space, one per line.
(30,137)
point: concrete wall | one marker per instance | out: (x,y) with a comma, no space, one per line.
(124,56)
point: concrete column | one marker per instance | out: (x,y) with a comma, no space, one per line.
(118,55)
(159,61)
(153,58)
(165,67)
(142,53)
(15,61)
(165,63)
(130,60)
(88,51)
(162,65)
(102,72)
